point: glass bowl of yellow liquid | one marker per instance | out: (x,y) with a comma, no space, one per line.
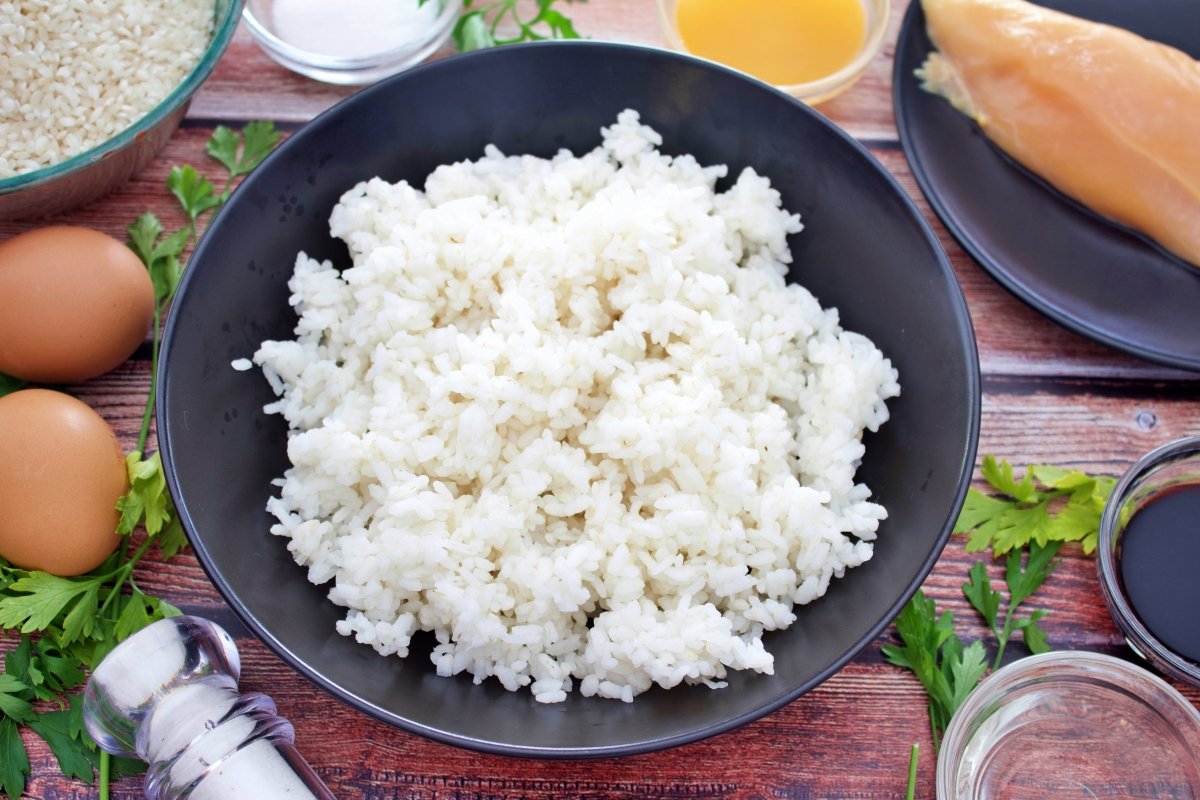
(812,49)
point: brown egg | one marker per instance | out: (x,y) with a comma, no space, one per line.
(76,303)
(61,475)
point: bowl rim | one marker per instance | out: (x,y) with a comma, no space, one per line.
(223,30)
(964,331)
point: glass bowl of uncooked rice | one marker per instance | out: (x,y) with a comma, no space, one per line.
(91,90)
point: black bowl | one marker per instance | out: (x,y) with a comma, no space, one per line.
(865,249)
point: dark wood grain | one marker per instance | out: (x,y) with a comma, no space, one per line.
(1049,396)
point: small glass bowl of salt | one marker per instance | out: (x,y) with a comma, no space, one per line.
(350,42)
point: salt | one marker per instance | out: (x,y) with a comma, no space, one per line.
(352,29)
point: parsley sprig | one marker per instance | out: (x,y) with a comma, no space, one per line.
(1022,580)
(947,669)
(197,195)
(1027,525)
(68,625)
(480,23)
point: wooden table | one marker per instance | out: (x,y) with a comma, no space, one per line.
(1049,396)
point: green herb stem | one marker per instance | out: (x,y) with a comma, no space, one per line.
(122,574)
(910,793)
(933,722)
(1003,636)
(103,780)
(148,413)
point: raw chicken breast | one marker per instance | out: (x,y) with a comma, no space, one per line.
(1107,117)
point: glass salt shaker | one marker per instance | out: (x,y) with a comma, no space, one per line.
(168,695)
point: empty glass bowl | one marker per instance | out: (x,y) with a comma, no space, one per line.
(1071,725)
(351,43)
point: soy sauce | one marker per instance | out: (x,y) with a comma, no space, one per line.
(1160,567)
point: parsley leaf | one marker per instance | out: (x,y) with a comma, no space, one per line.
(1035,637)
(259,139)
(195,192)
(43,667)
(172,539)
(1027,514)
(147,501)
(63,732)
(81,620)
(471,32)
(978,590)
(223,146)
(966,668)
(11,703)
(34,601)
(256,141)
(149,504)
(560,26)
(139,610)
(14,761)
(143,233)
(161,257)
(1024,581)
(1001,476)
(122,767)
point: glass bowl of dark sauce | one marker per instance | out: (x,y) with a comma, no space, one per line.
(1150,558)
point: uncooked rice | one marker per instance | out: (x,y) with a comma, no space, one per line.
(75,73)
(567,415)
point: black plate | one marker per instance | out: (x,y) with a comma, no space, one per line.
(1089,275)
(866,249)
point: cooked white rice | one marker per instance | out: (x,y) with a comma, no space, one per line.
(567,415)
(75,73)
